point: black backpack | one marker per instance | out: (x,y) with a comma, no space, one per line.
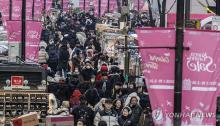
(53,55)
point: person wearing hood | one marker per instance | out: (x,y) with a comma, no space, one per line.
(118,105)
(42,56)
(83,112)
(126,118)
(133,102)
(108,115)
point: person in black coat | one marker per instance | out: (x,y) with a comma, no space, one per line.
(88,72)
(126,119)
(63,59)
(83,112)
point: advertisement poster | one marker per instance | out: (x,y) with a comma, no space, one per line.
(4,8)
(16,9)
(32,40)
(158,68)
(201,78)
(14,31)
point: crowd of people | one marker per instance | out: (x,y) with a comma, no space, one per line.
(95,85)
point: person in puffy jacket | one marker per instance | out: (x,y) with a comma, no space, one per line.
(108,115)
(42,56)
(126,119)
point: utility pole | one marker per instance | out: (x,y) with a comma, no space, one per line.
(10,10)
(108,6)
(124,19)
(33,9)
(84,5)
(187,11)
(100,8)
(23,31)
(218,7)
(178,62)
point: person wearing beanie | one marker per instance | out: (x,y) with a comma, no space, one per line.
(126,119)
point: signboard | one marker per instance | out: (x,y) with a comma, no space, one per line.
(201,81)
(216,23)
(17,81)
(158,68)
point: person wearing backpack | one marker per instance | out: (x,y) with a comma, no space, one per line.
(83,112)
(53,57)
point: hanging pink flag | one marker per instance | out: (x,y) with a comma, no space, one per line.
(158,68)
(65,5)
(16,9)
(103,7)
(141,4)
(29,8)
(87,5)
(201,75)
(113,6)
(33,34)
(48,5)
(14,31)
(37,10)
(4,8)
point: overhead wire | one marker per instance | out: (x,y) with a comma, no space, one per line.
(206,7)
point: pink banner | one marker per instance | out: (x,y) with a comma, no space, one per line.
(65,5)
(4,8)
(113,6)
(14,31)
(48,5)
(87,5)
(29,8)
(104,7)
(158,69)
(37,10)
(16,9)
(200,78)
(141,4)
(33,33)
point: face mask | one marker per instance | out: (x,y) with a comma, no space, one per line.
(88,67)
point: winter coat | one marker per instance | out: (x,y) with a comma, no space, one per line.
(52,53)
(83,112)
(92,96)
(110,118)
(74,99)
(42,56)
(126,121)
(63,57)
(136,110)
(87,74)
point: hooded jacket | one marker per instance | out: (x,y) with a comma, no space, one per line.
(110,118)
(42,56)
(136,110)
(126,121)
